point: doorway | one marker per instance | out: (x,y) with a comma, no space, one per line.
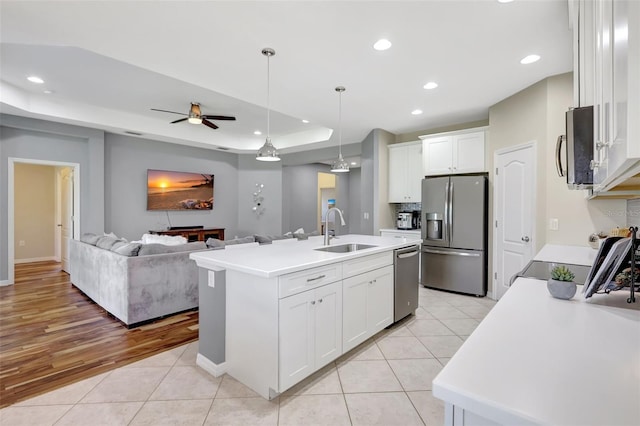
(514,202)
(67,195)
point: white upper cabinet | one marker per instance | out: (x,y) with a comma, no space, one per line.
(606,46)
(455,152)
(405,172)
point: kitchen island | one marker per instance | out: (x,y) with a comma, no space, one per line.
(539,360)
(272,315)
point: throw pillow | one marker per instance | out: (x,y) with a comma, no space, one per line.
(106,242)
(167,240)
(303,236)
(89,238)
(214,243)
(243,240)
(126,249)
(268,239)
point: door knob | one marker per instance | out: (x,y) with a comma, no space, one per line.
(525,239)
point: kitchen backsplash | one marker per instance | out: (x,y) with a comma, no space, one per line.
(407,207)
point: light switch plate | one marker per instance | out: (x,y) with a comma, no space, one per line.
(553,224)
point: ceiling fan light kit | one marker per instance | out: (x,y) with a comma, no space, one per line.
(268,152)
(340,166)
(195,116)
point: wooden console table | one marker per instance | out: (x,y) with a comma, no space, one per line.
(194,234)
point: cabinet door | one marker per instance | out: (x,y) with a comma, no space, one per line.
(414,173)
(354,329)
(468,153)
(380,299)
(296,340)
(397,174)
(437,155)
(328,318)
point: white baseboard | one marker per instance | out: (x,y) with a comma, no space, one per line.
(490,295)
(210,367)
(35,259)
(5,282)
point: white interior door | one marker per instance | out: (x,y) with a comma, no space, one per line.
(66,215)
(514,204)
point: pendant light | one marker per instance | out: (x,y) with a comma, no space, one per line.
(268,152)
(340,166)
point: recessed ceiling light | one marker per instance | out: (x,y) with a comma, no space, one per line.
(35,79)
(353,163)
(430,85)
(257,132)
(305,121)
(382,44)
(530,59)
(416,112)
(48,92)
(505,1)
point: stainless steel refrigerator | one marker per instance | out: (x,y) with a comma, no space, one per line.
(454,233)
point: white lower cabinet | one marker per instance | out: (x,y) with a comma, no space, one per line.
(368,305)
(310,332)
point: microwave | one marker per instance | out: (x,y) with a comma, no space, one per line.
(579,148)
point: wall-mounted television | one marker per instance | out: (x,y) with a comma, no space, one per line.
(169,190)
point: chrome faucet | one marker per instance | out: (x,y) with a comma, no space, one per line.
(326,224)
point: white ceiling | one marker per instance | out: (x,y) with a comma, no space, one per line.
(109,62)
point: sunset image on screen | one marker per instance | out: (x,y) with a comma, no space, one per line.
(167,190)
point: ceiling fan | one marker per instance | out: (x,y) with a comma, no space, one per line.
(195,116)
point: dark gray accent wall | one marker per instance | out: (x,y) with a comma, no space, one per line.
(367,175)
(126,162)
(27,138)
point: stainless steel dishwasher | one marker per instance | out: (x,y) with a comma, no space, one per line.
(405,262)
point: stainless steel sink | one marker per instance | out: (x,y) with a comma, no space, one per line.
(345,248)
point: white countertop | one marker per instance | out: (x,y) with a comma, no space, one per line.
(577,255)
(539,360)
(405,231)
(272,260)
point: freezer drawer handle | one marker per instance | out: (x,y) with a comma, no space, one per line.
(407,254)
(455,253)
(316,278)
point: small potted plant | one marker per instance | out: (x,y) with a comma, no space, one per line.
(561,285)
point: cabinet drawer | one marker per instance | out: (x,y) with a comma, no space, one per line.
(296,282)
(366,263)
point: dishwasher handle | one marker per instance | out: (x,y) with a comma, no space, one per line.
(403,254)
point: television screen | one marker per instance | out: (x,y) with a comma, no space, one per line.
(168,190)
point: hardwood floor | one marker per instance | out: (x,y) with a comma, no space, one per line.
(52,335)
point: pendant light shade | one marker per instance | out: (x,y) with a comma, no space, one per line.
(268,152)
(340,166)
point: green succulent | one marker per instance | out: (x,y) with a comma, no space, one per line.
(562,273)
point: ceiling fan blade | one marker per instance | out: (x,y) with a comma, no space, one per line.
(172,112)
(180,120)
(218,117)
(209,124)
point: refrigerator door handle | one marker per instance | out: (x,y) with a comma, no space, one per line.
(451,211)
(454,253)
(445,231)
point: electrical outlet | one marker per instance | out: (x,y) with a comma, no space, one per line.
(21,243)
(366,215)
(553,224)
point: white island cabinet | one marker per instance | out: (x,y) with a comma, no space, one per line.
(291,309)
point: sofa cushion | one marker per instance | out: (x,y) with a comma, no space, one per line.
(106,242)
(243,240)
(148,249)
(268,239)
(126,249)
(89,238)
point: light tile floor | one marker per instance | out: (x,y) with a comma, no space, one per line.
(384,381)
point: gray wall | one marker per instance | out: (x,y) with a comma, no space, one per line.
(633,213)
(300,197)
(367,170)
(269,174)
(355,194)
(126,162)
(27,138)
